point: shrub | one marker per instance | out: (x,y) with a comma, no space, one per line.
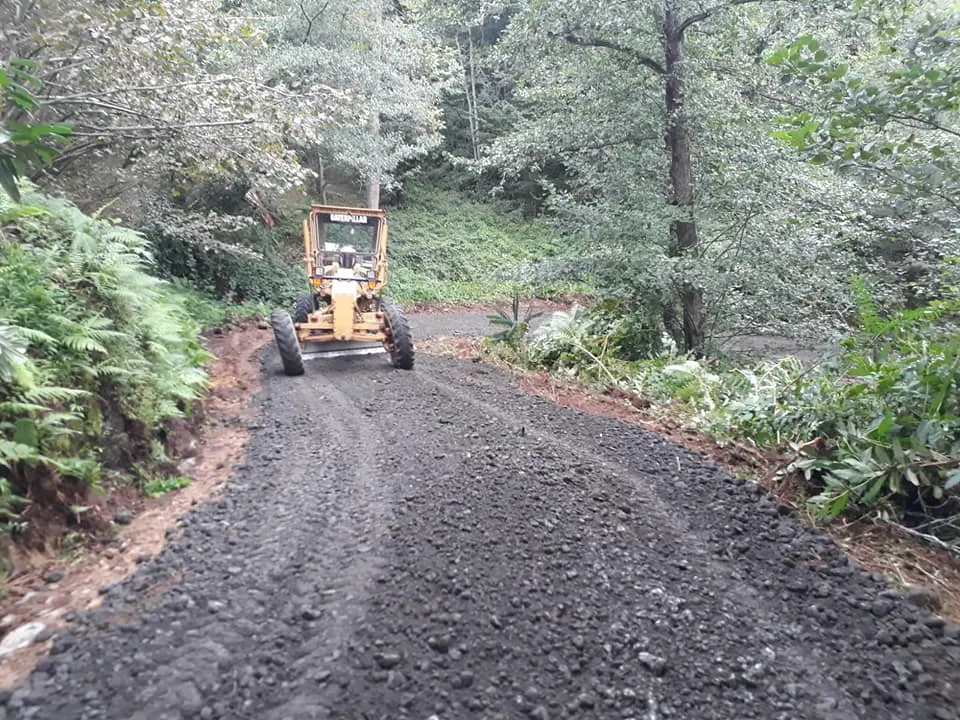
(96,354)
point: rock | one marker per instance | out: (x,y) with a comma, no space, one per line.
(21,637)
(53,576)
(654,663)
(926,598)
(585,700)
(122,517)
(187,698)
(263,325)
(463,680)
(539,713)
(44,635)
(387,660)
(439,644)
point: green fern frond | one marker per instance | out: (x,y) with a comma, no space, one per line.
(55,394)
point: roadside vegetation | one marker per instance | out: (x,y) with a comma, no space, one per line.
(873,428)
(97,356)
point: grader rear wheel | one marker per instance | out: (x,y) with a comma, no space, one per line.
(287,342)
(399,342)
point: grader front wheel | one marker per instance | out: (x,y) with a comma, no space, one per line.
(287,342)
(303,308)
(399,341)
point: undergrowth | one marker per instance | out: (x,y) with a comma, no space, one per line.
(96,356)
(446,248)
(874,431)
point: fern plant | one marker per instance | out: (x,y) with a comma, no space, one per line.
(91,344)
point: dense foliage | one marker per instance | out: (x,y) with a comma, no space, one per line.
(96,356)
(445,247)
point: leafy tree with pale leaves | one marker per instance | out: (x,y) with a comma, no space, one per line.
(375,53)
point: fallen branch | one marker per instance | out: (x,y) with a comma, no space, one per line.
(932,539)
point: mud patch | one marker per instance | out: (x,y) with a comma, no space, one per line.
(50,584)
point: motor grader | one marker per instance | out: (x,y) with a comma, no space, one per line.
(345,250)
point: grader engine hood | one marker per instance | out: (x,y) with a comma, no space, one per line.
(343,292)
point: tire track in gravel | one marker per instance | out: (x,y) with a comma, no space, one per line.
(698,560)
(395,547)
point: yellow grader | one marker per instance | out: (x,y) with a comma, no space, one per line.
(344,313)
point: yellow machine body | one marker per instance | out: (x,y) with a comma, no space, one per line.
(346,293)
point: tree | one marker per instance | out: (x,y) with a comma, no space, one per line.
(389,69)
(158,86)
(634,100)
(887,112)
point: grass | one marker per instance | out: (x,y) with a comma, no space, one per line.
(211,312)
(162,485)
(449,249)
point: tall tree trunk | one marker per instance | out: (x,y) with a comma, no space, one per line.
(683,231)
(323,179)
(470,90)
(373,182)
(475,114)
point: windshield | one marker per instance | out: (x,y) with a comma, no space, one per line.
(337,231)
(335,236)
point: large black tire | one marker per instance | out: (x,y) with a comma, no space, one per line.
(400,346)
(287,343)
(303,308)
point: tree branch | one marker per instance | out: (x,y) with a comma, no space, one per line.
(923,122)
(710,12)
(932,539)
(644,60)
(133,130)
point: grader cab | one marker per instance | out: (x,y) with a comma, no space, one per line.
(344,313)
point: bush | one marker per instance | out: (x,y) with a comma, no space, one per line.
(886,415)
(96,355)
(251,268)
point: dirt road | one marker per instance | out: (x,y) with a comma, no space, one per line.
(435,544)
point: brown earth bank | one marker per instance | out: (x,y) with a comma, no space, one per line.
(930,573)
(49,586)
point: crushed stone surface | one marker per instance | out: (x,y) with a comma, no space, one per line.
(436,544)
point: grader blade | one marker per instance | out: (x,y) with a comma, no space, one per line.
(334,349)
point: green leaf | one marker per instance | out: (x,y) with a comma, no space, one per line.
(25,432)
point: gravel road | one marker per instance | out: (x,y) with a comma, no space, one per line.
(435,544)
